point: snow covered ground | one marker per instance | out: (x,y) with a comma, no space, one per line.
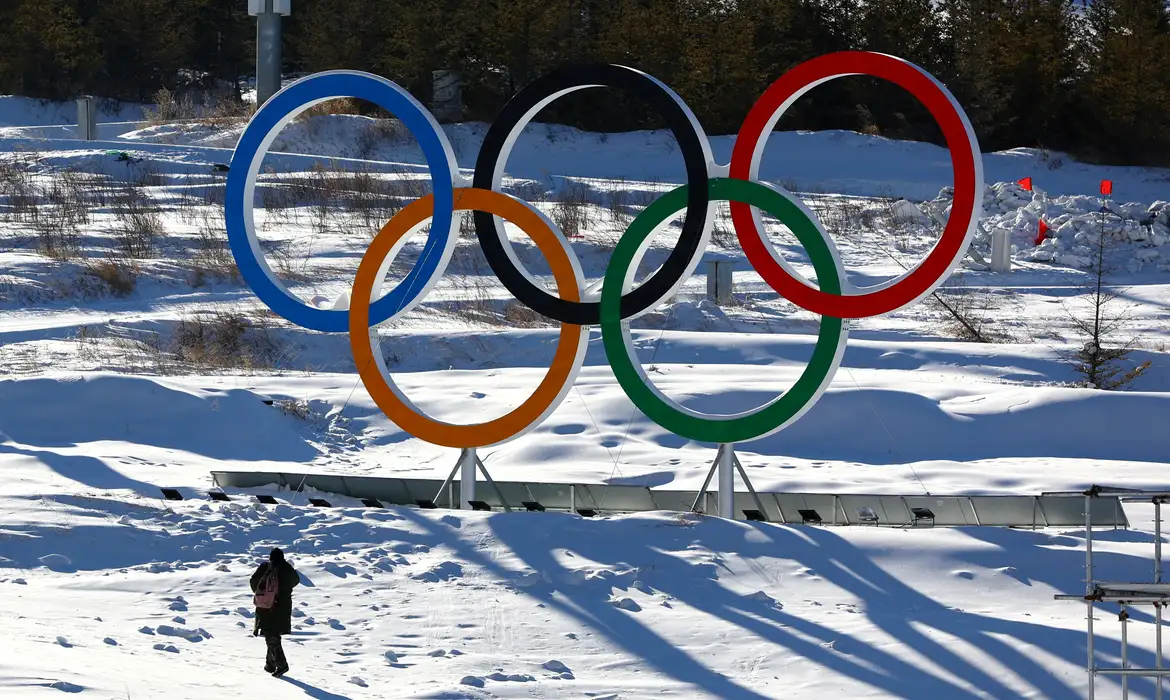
(120,378)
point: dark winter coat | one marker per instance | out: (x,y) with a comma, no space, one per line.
(277,619)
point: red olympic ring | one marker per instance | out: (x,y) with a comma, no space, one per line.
(966,163)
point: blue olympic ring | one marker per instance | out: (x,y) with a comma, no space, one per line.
(281,109)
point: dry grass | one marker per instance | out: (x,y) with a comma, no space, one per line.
(139,226)
(224,340)
(212,259)
(119,275)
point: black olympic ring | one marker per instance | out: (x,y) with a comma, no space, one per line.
(502,134)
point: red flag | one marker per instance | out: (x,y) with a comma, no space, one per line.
(1043,232)
(1106,187)
(1026,183)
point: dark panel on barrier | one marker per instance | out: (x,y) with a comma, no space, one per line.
(792,503)
(947,510)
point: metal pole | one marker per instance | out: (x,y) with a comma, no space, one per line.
(467,464)
(268,58)
(748,483)
(475,460)
(706,483)
(726,482)
(1124,617)
(1158,579)
(572,498)
(1092,671)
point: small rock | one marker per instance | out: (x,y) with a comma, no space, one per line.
(64,642)
(627,604)
(554,666)
(146,630)
(111,641)
(356,680)
(473,681)
(437,652)
(391,656)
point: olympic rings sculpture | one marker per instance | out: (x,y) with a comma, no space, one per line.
(834,297)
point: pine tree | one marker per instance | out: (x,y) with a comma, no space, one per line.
(1127,88)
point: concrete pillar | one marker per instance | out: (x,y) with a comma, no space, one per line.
(86,118)
(719,282)
(1001,251)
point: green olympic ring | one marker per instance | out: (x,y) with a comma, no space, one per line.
(615,335)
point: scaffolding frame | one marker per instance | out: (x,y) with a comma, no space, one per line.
(1126,594)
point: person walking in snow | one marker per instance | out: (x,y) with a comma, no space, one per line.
(272,584)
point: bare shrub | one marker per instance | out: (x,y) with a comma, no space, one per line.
(297,408)
(119,275)
(571,211)
(617,204)
(212,258)
(18,189)
(139,225)
(224,340)
(337,105)
(225,111)
(168,108)
(969,313)
(378,133)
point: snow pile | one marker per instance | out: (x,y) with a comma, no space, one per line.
(1136,233)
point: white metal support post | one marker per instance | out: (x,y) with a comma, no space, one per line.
(726,481)
(1158,606)
(727,464)
(1089,590)
(466,467)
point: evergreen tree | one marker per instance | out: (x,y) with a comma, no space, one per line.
(1127,86)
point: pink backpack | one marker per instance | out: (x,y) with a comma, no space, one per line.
(265,597)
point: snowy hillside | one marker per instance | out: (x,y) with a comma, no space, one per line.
(132,358)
